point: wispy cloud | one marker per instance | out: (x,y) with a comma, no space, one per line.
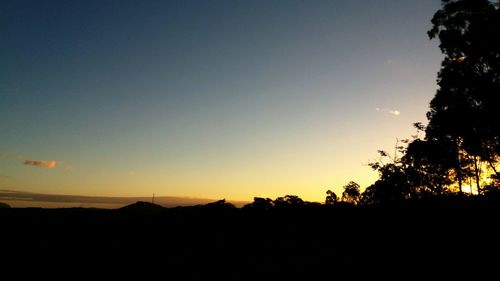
(393,112)
(42,164)
(4,177)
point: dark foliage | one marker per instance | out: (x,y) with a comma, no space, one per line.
(463,115)
(461,147)
(351,193)
(331,198)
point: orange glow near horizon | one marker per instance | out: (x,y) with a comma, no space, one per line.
(210,101)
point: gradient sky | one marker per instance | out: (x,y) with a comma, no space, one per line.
(215,99)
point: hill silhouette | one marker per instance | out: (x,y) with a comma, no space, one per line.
(30,199)
(218,241)
(142,207)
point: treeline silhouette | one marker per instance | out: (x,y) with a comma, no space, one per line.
(285,238)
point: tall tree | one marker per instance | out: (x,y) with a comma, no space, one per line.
(463,115)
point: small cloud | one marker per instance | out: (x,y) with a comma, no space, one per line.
(42,164)
(4,177)
(389,62)
(394,112)
(131,173)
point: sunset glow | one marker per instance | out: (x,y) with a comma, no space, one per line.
(210,100)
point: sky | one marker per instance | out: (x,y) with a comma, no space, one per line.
(210,99)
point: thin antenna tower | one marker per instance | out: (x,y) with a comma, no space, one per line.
(153,200)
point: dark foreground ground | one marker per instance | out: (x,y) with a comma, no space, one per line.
(235,244)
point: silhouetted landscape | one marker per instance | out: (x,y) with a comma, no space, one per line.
(30,199)
(431,214)
(263,240)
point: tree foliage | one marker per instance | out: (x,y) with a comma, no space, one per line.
(351,193)
(461,147)
(288,201)
(463,115)
(260,204)
(395,182)
(331,198)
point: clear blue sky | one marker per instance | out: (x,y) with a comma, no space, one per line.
(217,99)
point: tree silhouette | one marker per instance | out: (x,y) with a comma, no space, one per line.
(393,186)
(289,201)
(463,114)
(461,146)
(260,204)
(397,180)
(427,163)
(331,198)
(351,193)
(219,205)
